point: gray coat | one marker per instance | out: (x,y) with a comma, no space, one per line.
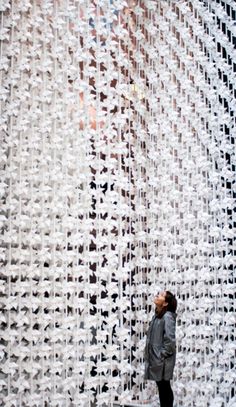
(160,349)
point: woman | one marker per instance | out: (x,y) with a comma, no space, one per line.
(160,350)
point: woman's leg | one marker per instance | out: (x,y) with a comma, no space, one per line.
(165,393)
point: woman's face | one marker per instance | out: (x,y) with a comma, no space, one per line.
(160,300)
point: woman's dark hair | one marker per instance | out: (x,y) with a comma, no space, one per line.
(171,300)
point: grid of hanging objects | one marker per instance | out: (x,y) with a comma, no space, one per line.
(117,179)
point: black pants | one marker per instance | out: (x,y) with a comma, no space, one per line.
(165,393)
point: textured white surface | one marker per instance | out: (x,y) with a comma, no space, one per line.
(117,179)
(134,405)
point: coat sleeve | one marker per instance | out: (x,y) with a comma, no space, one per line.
(169,341)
